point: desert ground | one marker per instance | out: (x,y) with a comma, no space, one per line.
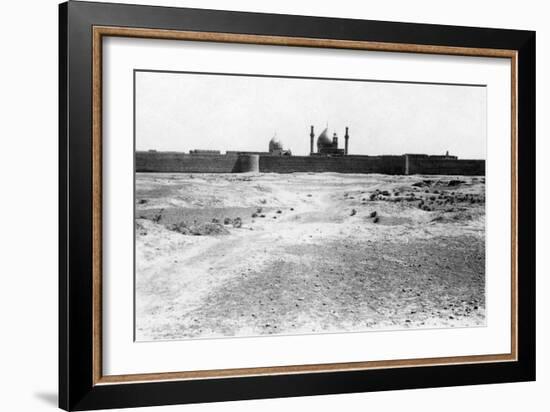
(221,255)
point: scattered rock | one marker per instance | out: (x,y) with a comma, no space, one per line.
(203,229)
(140,230)
(373,214)
(237,223)
(142,201)
(423,183)
(353,212)
(227,221)
(455,182)
(376,220)
(158,216)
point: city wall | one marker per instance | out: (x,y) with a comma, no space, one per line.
(174,162)
(182,162)
(436,166)
(347,164)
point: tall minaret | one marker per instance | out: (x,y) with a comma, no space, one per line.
(311,136)
(347,139)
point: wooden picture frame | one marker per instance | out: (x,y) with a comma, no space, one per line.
(82,384)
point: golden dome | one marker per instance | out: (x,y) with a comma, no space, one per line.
(323,139)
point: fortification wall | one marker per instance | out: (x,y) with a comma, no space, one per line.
(351,164)
(173,162)
(435,166)
(180,162)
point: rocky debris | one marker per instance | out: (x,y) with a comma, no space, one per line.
(200,229)
(156,218)
(228,221)
(215,220)
(140,229)
(452,217)
(423,183)
(455,182)
(434,196)
(237,222)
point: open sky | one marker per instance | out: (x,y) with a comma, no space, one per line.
(182,111)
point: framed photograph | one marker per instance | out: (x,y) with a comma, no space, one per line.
(256,205)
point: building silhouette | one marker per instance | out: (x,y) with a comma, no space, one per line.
(324,156)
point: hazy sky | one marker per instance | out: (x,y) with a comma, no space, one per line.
(181,111)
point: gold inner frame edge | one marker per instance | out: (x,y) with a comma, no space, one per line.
(98,32)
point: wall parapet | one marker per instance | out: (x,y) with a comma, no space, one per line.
(235,162)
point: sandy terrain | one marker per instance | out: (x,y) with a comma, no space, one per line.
(240,254)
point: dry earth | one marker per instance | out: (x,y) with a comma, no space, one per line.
(240,254)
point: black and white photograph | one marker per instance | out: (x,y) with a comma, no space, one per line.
(273,205)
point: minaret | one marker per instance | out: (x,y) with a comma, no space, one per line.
(311,136)
(347,139)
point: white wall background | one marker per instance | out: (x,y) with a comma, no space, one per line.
(28,203)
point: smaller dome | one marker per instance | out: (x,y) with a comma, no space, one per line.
(275,144)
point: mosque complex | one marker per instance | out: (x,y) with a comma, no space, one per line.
(325,156)
(325,145)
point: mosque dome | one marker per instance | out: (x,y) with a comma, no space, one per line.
(323,139)
(275,144)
